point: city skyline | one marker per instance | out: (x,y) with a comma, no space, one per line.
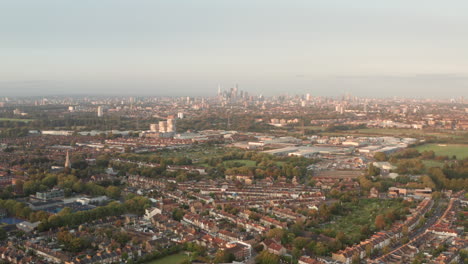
(325,48)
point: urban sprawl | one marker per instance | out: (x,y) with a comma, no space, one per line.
(233,178)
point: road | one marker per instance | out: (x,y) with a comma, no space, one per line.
(439,209)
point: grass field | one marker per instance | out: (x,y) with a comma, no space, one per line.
(433,163)
(280,163)
(387,131)
(172,259)
(16,120)
(311,127)
(248,163)
(398,132)
(460,150)
(362,214)
(195,153)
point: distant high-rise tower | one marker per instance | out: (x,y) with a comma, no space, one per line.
(171,124)
(162,126)
(154,127)
(67,161)
(340,108)
(100,111)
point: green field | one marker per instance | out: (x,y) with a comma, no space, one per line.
(459,150)
(172,259)
(196,153)
(311,127)
(403,132)
(363,213)
(16,120)
(280,163)
(433,163)
(248,163)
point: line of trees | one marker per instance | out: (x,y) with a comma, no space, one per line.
(136,205)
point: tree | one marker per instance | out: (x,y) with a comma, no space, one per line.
(196,250)
(267,258)
(222,256)
(373,170)
(380,156)
(113,192)
(427,181)
(300,242)
(385,250)
(356,258)
(102,161)
(78,187)
(276,233)
(50,181)
(177,214)
(428,154)
(368,250)
(320,249)
(365,183)
(340,236)
(3,234)
(30,187)
(404,231)
(380,222)
(365,230)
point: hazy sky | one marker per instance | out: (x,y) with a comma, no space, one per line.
(174,47)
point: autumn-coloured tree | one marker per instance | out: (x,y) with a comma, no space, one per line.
(380,222)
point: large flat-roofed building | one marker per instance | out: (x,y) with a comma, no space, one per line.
(44,205)
(308,151)
(52,194)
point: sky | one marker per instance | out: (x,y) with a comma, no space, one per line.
(188,47)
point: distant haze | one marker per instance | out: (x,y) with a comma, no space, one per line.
(175,47)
